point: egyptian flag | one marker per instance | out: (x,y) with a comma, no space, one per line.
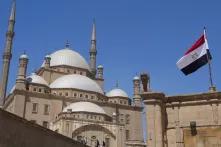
(195,57)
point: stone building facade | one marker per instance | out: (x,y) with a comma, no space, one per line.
(66,94)
(18,132)
(183,120)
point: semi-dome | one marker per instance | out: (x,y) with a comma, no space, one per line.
(23,56)
(34,78)
(136,78)
(48,56)
(117,92)
(84,107)
(100,66)
(68,57)
(76,82)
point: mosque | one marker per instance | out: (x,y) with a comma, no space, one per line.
(66,94)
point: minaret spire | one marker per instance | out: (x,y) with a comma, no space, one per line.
(67,45)
(93,50)
(7,54)
(93,37)
(13,11)
(117,84)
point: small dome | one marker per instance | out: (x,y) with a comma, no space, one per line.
(117,92)
(136,78)
(77,82)
(36,79)
(100,66)
(23,56)
(84,107)
(68,57)
(47,56)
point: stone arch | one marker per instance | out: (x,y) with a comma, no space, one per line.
(92,127)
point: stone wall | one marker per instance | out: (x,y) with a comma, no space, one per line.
(206,137)
(18,132)
(183,120)
(201,109)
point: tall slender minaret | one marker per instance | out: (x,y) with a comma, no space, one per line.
(22,70)
(7,54)
(137,97)
(93,51)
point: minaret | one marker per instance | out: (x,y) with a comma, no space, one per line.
(22,70)
(7,54)
(93,51)
(100,76)
(47,61)
(100,72)
(136,85)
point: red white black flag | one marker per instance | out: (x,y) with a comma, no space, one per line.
(195,57)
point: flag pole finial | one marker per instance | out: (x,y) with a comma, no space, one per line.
(204,31)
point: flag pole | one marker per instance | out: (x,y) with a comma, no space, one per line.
(212,88)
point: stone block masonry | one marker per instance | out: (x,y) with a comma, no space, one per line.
(18,132)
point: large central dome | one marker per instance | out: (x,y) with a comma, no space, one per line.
(76,82)
(68,57)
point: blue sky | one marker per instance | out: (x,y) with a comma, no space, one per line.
(133,36)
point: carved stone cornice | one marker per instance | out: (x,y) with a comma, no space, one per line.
(153,98)
(72,100)
(194,99)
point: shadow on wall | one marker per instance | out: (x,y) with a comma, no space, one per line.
(18,132)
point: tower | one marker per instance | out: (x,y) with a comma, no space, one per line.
(20,85)
(155,117)
(100,76)
(7,54)
(145,79)
(154,103)
(100,70)
(47,61)
(93,51)
(21,77)
(137,97)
